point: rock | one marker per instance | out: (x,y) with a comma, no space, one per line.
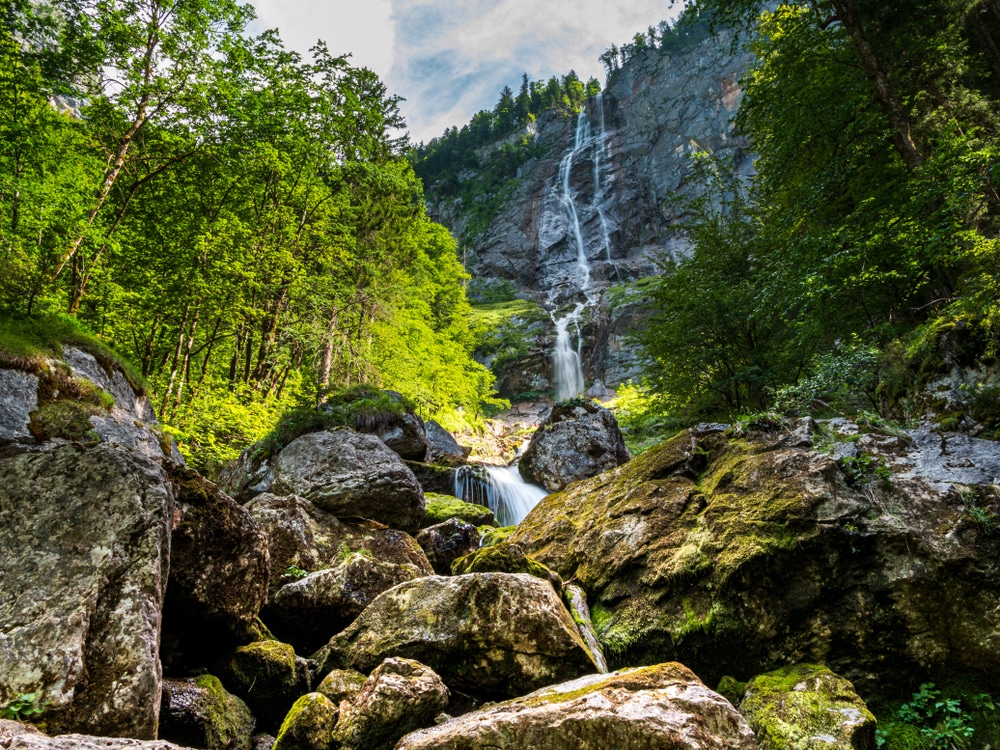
(198,712)
(84,545)
(309,725)
(248,476)
(269,677)
(219,565)
(663,706)
(400,696)
(262,742)
(350,474)
(307,612)
(300,535)
(442,507)
(486,634)
(85,742)
(577,441)
(18,398)
(443,448)
(737,555)
(576,601)
(446,542)
(341,685)
(11,729)
(433,478)
(807,707)
(504,557)
(407,439)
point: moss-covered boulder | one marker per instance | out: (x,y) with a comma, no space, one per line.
(400,696)
(492,535)
(663,706)
(341,685)
(737,555)
(486,634)
(269,677)
(198,712)
(505,557)
(447,541)
(440,508)
(309,725)
(807,707)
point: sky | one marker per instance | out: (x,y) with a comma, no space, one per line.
(451,59)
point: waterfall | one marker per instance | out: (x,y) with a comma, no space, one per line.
(499,488)
(580,141)
(569,368)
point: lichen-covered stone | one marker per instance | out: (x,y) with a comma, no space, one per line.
(407,438)
(576,441)
(84,545)
(442,446)
(442,507)
(269,677)
(735,555)
(87,742)
(663,706)
(576,602)
(341,685)
(486,634)
(807,707)
(350,474)
(446,542)
(11,729)
(505,557)
(309,611)
(400,695)
(198,712)
(309,725)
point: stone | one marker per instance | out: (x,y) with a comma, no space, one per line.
(219,564)
(485,634)
(662,706)
(84,546)
(576,601)
(433,478)
(400,696)
(309,725)
(577,441)
(809,708)
(504,557)
(350,474)
(18,398)
(442,507)
(198,712)
(341,685)
(736,555)
(407,439)
(303,537)
(262,742)
(307,612)
(268,676)
(85,742)
(443,448)
(11,729)
(446,542)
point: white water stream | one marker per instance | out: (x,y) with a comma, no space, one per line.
(499,488)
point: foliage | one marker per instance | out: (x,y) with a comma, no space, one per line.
(842,381)
(294,573)
(691,28)
(863,468)
(25,707)
(931,721)
(642,417)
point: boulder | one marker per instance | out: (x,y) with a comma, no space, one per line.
(219,565)
(486,634)
(446,542)
(350,474)
(578,440)
(434,478)
(576,601)
(400,696)
(18,398)
(443,448)
(663,706)
(341,685)
(406,438)
(442,507)
(301,539)
(269,677)
(307,612)
(504,557)
(10,729)
(85,742)
(807,707)
(198,712)
(738,555)
(309,724)
(84,546)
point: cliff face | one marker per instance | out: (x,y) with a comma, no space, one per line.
(598,207)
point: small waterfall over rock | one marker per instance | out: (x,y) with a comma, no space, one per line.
(499,488)
(568,366)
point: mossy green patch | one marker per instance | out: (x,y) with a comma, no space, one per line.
(309,724)
(504,557)
(492,535)
(65,405)
(440,508)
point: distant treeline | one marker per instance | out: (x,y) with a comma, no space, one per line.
(692,26)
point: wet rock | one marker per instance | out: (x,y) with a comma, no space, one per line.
(807,707)
(433,477)
(663,706)
(577,441)
(198,712)
(737,555)
(341,685)
(486,634)
(309,725)
(440,508)
(504,557)
(307,612)
(86,742)
(446,542)
(400,696)
(443,448)
(350,474)
(268,676)
(84,545)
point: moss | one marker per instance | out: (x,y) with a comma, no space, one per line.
(66,404)
(265,675)
(492,536)
(731,689)
(504,557)
(308,725)
(441,508)
(228,720)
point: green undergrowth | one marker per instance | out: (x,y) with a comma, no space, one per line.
(504,330)
(956,714)
(643,418)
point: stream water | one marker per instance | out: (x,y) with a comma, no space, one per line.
(499,488)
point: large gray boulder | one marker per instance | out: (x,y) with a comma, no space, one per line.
(197,711)
(578,440)
(486,634)
(84,548)
(663,706)
(446,542)
(350,474)
(268,676)
(86,742)
(407,438)
(443,448)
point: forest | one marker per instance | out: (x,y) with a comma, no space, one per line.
(237,221)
